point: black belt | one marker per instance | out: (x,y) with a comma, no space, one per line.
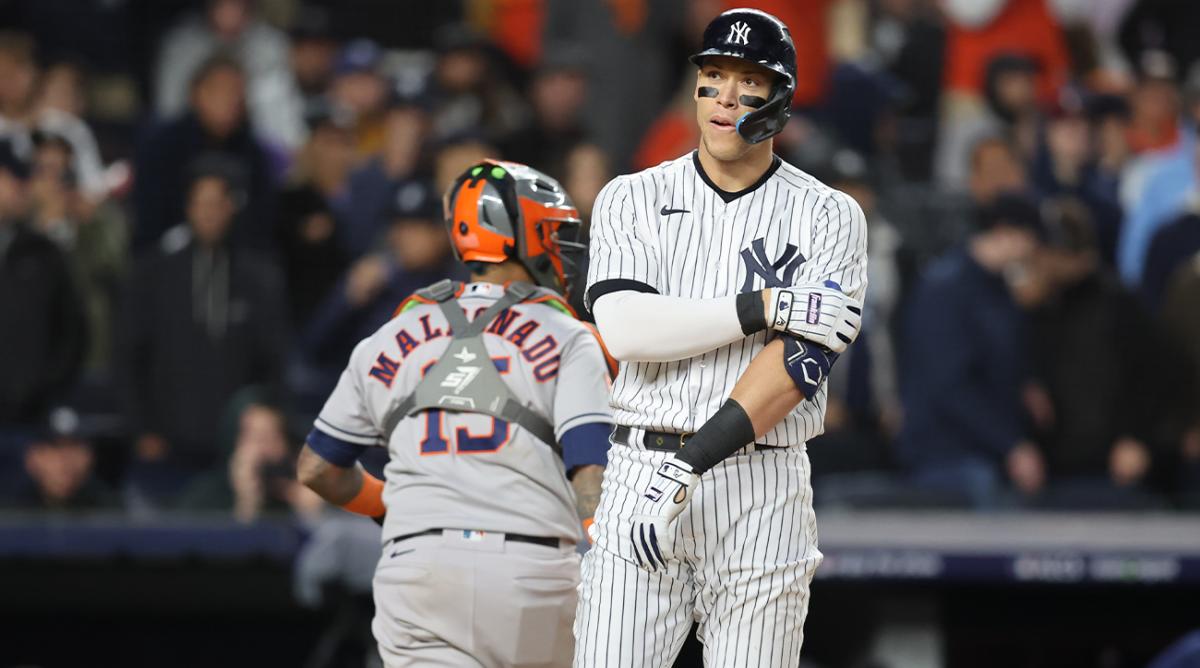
(666,441)
(508,537)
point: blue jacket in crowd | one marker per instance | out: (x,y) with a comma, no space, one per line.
(963,366)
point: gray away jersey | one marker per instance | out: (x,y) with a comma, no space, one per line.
(472,471)
(668,230)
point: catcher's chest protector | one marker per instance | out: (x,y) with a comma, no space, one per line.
(465,379)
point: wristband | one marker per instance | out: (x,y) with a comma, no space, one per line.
(750,312)
(369,500)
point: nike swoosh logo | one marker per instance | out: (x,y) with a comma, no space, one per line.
(666,212)
(396,554)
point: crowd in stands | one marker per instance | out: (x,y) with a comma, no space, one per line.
(205,204)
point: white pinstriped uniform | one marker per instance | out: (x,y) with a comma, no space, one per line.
(748,537)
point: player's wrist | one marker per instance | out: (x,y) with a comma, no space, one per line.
(369,499)
(752,311)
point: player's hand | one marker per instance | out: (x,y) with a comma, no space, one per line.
(817,313)
(664,498)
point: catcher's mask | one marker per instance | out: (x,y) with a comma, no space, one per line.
(498,211)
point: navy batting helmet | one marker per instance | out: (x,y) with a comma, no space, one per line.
(760,38)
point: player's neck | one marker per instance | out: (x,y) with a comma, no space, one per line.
(736,175)
(502,273)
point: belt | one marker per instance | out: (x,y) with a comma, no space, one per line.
(508,537)
(666,441)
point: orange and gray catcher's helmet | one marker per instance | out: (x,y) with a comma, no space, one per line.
(498,211)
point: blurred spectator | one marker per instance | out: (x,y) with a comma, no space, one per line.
(60,469)
(1098,433)
(201,314)
(471,91)
(418,254)
(1108,116)
(1167,25)
(59,109)
(360,89)
(93,235)
(585,172)
(861,109)
(995,169)
(908,39)
(1065,166)
(1181,319)
(979,30)
(214,124)
(43,336)
(1154,124)
(628,85)
(372,185)
(313,56)
(966,360)
(1157,185)
(1172,247)
(230,26)
(259,474)
(1007,108)
(558,91)
(311,233)
(18,74)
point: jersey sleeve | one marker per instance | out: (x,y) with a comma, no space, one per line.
(581,391)
(838,250)
(623,251)
(346,416)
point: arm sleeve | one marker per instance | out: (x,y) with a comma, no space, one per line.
(838,248)
(581,398)
(640,324)
(345,416)
(654,328)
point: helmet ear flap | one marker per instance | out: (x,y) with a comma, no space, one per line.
(769,119)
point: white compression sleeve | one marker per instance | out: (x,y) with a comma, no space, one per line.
(644,327)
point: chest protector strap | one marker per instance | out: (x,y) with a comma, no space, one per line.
(465,379)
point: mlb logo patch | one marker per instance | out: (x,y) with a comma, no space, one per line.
(473,536)
(814,309)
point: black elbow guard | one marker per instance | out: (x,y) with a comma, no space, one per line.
(807,363)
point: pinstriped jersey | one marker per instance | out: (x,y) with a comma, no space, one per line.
(670,230)
(468,470)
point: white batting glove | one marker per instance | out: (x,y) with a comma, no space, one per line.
(665,497)
(817,313)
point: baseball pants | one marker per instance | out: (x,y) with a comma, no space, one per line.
(746,550)
(459,600)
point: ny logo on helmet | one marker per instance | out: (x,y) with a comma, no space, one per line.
(739,33)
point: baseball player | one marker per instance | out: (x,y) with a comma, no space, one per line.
(726,282)
(492,400)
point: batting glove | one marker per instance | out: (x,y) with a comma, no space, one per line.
(817,313)
(665,497)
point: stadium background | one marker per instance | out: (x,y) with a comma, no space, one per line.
(217,199)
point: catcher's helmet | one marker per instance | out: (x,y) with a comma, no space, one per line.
(760,38)
(498,211)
